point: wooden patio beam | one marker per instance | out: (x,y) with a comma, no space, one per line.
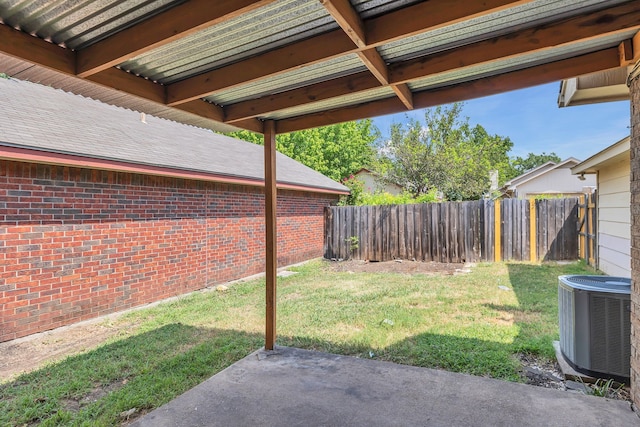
(581,28)
(348,19)
(635,41)
(330,45)
(403,92)
(607,22)
(172,24)
(271,260)
(541,74)
(374,62)
(32,49)
(625,51)
(130,83)
(428,16)
(291,98)
(277,61)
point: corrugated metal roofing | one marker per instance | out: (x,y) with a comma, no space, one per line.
(370,8)
(364,96)
(484,27)
(518,62)
(268,27)
(334,68)
(78,24)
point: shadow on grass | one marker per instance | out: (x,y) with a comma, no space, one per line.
(149,369)
(536,314)
(142,371)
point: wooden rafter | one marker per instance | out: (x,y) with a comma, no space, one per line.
(625,51)
(31,49)
(288,58)
(403,92)
(605,22)
(355,37)
(330,45)
(291,98)
(348,19)
(581,28)
(554,71)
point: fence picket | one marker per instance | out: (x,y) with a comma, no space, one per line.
(452,231)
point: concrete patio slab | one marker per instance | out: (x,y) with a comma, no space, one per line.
(292,387)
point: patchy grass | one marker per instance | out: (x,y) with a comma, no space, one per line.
(472,323)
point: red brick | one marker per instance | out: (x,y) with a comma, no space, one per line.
(128,245)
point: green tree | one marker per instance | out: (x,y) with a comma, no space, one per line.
(336,151)
(443,153)
(521,165)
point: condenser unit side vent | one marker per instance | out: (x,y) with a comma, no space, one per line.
(595,326)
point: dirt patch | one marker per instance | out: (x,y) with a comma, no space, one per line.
(97,393)
(543,373)
(399,266)
(32,352)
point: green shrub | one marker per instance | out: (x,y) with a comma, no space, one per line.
(404,198)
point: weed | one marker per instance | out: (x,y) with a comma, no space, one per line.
(606,388)
(354,243)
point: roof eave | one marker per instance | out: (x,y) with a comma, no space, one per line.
(610,154)
(48,157)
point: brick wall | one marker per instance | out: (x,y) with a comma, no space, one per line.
(635,241)
(79,243)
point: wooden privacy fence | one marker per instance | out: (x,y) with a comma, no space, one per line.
(482,230)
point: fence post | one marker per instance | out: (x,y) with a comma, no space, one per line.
(533,232)
(582,210)
(497,225)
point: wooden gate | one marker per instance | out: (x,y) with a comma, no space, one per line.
(588,229)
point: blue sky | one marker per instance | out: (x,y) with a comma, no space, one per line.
(535,124)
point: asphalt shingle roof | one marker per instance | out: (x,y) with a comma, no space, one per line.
(47,119)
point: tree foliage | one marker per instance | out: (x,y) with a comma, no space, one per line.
(521,165)
(444,153)
(336,151)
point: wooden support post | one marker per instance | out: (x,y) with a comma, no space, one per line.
(497,226)
(533,232)
(270,197)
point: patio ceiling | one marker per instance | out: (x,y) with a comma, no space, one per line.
(228,65)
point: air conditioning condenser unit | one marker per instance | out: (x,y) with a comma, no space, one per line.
(595,325)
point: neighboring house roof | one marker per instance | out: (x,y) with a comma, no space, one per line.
(537,172)
(70,129)
(613,153)
(373,182)
(529,174)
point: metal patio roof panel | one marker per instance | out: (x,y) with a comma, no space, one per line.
(369,8)
(78,23)
(485,27)
(283,54)
(277,24)
(518,62)
(327,70)
(350,99)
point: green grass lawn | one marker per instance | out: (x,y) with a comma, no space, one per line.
(473,323)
